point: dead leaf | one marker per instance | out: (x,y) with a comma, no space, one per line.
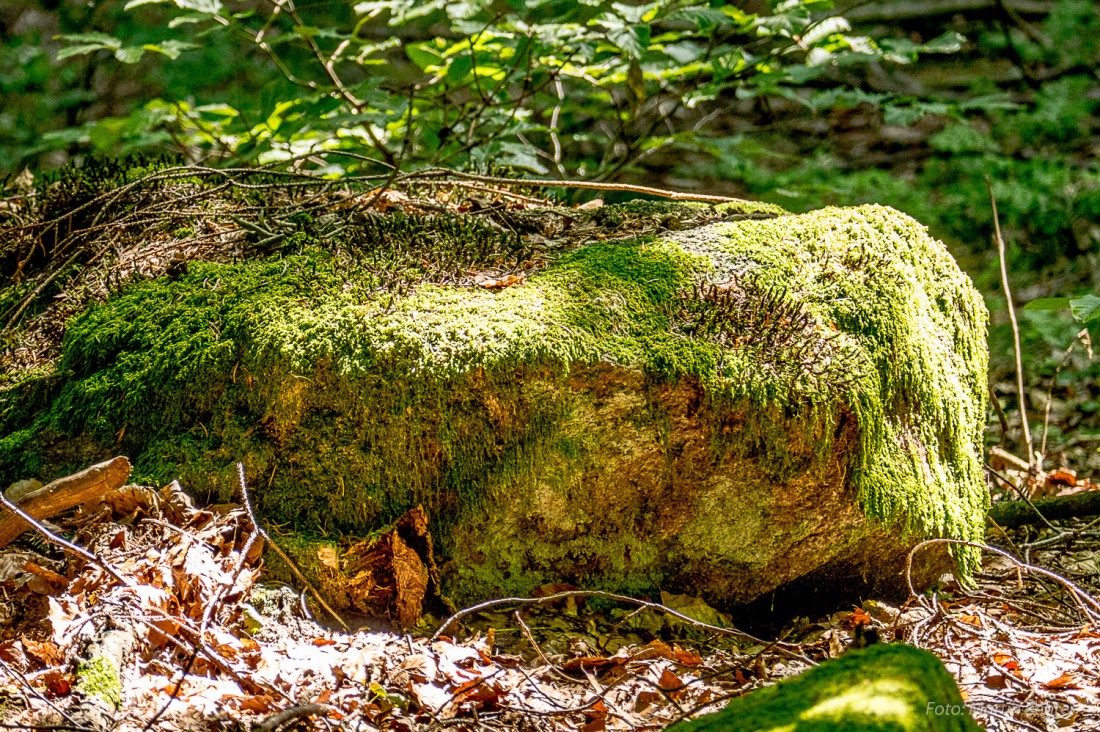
(46,653)
(11,651)
(56,682)
(1005,660)
(1065,681)
(498,283)
(670,683)
(1063,476)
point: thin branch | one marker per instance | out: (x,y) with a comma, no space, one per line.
(289,562)
(728,632)
(1015,326)
(63,543)
(1088,605)
(583,184)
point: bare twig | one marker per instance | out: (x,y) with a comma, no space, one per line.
(15,674)
(1015,327)
(282,555)
(1079,338)
(582,184)
(63,543)
(728,632)
(1087,604)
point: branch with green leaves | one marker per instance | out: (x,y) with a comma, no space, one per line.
(581,90)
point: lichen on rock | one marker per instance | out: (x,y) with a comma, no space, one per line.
(718,406)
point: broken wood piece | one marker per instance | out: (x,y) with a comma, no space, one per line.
(1017,513)
(98,687)
(65,493)
(999,459)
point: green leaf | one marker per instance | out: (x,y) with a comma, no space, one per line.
(684,52)
(137,3)
(87,43)
(102,39)
(171,49)
(704,18)
(947,43)
(521,156)
(188,19)
(423,55)
(130,54)
(459,68)
(202,6)
(65,53)
(1048,303)
(1085,309)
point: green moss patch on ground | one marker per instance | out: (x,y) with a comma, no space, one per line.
(883,688)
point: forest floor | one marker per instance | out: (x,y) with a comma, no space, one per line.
(201,639)
(207,645)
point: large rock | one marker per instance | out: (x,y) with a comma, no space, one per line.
(721,406)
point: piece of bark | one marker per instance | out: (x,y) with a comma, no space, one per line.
(65,493)
(98,687)
(1017,513)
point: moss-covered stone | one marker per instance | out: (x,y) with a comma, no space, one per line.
(717,408)
(883,688)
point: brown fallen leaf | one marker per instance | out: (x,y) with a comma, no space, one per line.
(499,283)
(1065,681)
(45,652)
(1063,476)
(671,684)
(49,575)
(56,682)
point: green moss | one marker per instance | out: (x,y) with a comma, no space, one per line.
(352,398)
(100,677)
(883,688)
(910,330)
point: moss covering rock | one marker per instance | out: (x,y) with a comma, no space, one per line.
(723,403)
(883,688)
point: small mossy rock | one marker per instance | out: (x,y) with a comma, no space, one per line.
(720,410)
(882,688)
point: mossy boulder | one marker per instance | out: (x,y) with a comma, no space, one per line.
(882,688)
(721,405)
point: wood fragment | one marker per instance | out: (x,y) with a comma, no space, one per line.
(63,494)
(1017,513)
(98,686)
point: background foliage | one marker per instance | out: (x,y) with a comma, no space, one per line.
(910,104)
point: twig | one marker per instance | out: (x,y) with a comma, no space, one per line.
(729,632)
(1015,327)
(282,555)
(1088,605)
(278,720)
(1000,414)
(583,184)
(209,611)
(1053,379)
(63,543)
(16,674)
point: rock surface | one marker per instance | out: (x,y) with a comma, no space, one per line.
(722,404)
(883,688)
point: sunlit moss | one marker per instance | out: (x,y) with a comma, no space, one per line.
(883,688)
(351,401)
